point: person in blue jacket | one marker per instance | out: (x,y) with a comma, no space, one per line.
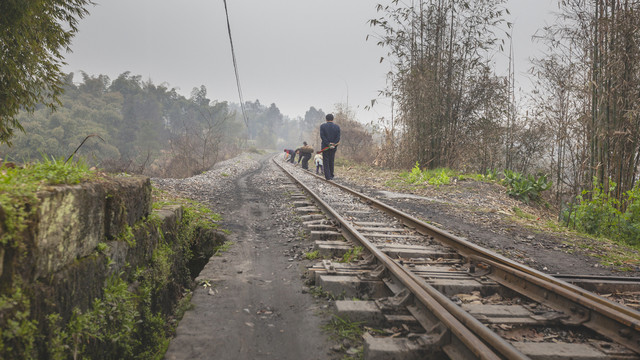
(330,136)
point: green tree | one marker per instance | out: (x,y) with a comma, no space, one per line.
(32,35)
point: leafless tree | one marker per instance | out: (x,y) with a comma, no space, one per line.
(356,143)
(196,147)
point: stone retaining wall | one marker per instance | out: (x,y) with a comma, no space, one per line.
(81,235)
(70,222)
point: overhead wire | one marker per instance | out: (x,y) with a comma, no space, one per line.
(235,67)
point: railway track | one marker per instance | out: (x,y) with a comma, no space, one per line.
(439,296)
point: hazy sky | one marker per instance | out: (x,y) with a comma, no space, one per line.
(295,54)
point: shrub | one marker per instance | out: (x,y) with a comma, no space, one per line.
(630,227)
(598,213)
(525,188)
(437,177)
(415,176)
(18,331)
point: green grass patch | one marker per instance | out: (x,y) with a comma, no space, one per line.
(438,177)
(343,330)
(313,255)
(522,214)
(342,161)
(619,255)
(553,226)
(223,248)
(320,293)
(255,150)
(352,255)
(490,176)
(196,214)
(622,257)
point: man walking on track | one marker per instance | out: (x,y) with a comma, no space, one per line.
(330,135)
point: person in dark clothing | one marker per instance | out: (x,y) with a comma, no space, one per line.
(330,136)
(292,155)
(305,152)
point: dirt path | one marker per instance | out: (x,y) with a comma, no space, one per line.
(256,307)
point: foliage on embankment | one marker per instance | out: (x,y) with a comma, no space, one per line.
(599,213)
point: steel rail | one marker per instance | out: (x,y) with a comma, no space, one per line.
(582,310)
(603,278)
(626,317)
(491,337)
(457,320)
